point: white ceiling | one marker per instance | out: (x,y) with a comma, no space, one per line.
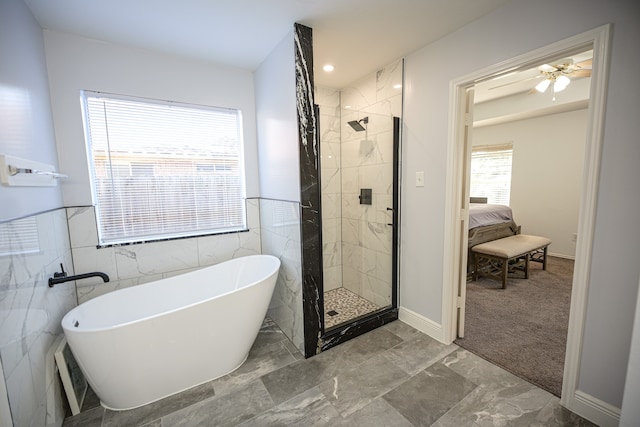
(356,36)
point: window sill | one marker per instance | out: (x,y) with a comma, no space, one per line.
(156,240)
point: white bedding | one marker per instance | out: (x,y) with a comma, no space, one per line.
(481,214)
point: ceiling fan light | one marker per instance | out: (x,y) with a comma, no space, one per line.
(543,85)
(561,83)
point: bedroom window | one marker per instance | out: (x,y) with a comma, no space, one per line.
(162,169)
(491,173)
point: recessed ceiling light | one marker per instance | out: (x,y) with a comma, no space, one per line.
(328,68)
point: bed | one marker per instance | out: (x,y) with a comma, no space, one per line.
(488,222)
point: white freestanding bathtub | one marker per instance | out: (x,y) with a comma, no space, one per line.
(141,344)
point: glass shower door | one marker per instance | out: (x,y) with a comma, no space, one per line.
(366,223)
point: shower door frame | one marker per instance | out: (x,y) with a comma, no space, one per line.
(348,330)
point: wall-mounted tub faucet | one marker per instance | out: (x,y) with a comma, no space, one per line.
(61,277)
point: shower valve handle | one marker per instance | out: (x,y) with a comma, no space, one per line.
(60,274)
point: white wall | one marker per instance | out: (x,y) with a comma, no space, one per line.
(30,311)
(77,63)
(630,408)
(26,127)
(277,123)
(280,216)
(546,174)
(514,29)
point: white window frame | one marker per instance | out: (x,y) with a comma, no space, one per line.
(493,179)
(189,162)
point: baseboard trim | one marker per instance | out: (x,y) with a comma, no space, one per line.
(594,409)
(421,323)
(572,257)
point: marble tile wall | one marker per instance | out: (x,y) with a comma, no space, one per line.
(30,315)
(131,265)
(280,236)
(329,102)
(367,162)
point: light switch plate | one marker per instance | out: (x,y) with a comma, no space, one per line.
(420,179)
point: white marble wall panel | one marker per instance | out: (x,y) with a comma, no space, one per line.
(131,265)
(30,315)
(331,180)
(158,257)
(280,231)
(387,81)
(367,162)
(360,94)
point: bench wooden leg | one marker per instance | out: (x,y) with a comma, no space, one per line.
(505,269)
(544,258)
(526,266)
(475,266)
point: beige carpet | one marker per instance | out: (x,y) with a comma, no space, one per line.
(522,328)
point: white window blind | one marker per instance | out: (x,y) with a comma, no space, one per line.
(163,170)
(491,173)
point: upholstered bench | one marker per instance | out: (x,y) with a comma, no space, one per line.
(495,259)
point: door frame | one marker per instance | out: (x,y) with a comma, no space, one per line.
(457,215)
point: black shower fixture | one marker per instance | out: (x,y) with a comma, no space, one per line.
(355,124)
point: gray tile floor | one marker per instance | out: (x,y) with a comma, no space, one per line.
(392,376)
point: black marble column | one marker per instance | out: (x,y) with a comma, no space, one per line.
(311,226)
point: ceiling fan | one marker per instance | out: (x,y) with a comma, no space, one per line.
(559,73)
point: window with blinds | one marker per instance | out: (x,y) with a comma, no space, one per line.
(491,173)
(163,169)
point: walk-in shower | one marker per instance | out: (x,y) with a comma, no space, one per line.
(359,146)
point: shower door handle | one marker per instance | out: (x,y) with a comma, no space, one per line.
(390,209)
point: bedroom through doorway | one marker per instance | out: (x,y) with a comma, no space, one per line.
(523,328)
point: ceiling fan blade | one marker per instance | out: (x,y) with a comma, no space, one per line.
(584,64)
(580,73)
(512,83)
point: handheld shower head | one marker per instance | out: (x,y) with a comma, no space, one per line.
(355,124)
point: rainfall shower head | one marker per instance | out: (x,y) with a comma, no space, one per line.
(355,124)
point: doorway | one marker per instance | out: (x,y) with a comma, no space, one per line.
(527,150)
(457,209)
